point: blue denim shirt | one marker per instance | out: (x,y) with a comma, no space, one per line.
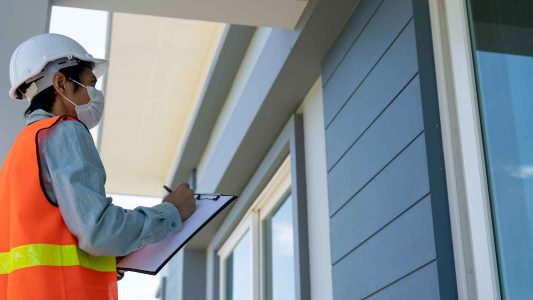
(74,177)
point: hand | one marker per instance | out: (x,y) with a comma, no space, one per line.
(183,199)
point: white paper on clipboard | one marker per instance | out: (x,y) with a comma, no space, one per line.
(152,258)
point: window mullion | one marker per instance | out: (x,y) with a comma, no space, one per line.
(256,255)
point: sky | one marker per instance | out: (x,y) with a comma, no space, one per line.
(89,28)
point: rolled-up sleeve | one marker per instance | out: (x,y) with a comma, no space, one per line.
(78,177)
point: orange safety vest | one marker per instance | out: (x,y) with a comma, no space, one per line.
(39,257)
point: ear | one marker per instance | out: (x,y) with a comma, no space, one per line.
(59,82)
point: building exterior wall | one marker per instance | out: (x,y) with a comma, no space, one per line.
(371,213)
(383,240)
(370,190)
(194,267)
(16,27)
(173,272)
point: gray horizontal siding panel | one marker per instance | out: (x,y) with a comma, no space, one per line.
(385,82)
(398,187)
(420,285)
(386,211)
(398,126)
(364,11)
(399,249)
(382,30)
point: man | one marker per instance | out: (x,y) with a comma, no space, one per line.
(59,233)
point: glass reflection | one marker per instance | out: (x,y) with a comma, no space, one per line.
(503,50)
(239,271)
(280,253)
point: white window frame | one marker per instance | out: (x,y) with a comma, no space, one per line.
(243,227)
(274,193)
(470,213)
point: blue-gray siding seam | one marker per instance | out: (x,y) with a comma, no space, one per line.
(384,84)
(366,75)
(432,293)
(387,23)
(371,123)
(337,260)
(339,52)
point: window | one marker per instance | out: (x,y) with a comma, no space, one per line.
(239,271)
(503,54)
(258,258)
(279,253)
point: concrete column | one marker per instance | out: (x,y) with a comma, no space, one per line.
(186,276)
(19,20)
(174,273)
(194,277)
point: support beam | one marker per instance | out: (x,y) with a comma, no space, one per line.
(218,84)
(286,69)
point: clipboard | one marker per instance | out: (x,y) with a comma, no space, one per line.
(153,257)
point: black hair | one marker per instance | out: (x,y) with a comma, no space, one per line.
(46,98)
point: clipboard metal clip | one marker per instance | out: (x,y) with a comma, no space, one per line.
(213,197)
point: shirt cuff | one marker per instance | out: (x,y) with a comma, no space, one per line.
(170,212)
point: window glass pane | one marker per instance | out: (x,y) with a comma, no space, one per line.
(502,34)
(280,253)
(239,271)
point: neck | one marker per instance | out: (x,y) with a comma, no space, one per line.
(59,108)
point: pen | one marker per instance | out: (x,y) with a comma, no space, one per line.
(198,196)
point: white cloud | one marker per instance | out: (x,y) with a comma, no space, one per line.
(283,238)
(523,172)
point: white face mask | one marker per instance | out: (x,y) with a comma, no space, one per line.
(90,113)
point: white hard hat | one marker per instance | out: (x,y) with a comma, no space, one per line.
(38,58)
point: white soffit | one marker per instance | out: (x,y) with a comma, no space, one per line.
(270,13)
(158,67)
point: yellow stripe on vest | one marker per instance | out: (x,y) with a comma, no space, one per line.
(53,255)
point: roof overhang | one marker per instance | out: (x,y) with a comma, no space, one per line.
(158,68)
(271,13)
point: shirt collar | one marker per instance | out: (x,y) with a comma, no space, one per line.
(37,115)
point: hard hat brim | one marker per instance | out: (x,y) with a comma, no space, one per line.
(100,68)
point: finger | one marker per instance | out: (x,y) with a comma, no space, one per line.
(185,185)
